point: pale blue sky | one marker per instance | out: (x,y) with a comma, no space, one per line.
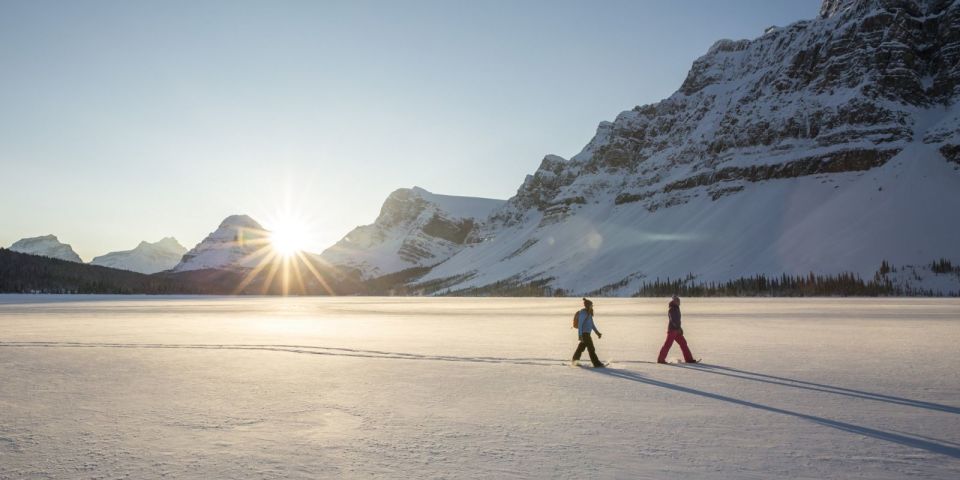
(124,121)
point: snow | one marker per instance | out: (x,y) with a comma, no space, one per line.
(744,105)
(200,387)
(825,224)
(461,207)
(46,246)
(239,242)
(147,258)
(399,238)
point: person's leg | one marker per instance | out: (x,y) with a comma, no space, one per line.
(666,347)
(687,356)
(580,347)
(592,351)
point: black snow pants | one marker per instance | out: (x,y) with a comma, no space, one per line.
(586,342)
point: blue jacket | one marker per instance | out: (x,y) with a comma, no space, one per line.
(586,323)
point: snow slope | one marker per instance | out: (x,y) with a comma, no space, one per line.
(238,243)
(110,387)
(415,228)
(828,146)
(824,224)
(46,246)
(146,257)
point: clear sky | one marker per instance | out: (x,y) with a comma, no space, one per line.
(123,121)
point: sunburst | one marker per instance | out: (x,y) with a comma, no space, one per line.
(280,260)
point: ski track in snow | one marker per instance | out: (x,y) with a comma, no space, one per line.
(304,349)
(543,362)
(456,388)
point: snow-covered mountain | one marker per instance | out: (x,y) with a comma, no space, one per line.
(415,228)
(146,258)
(46,246)
(238,243)
(825,146)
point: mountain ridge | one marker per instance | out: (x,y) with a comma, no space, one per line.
(415,229)
(146,257)
(46,246)
(238,242)
(805,130)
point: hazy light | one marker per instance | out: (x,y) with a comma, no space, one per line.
(288,237)
(594,240)
(281,259)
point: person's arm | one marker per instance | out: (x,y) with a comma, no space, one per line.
(594,325)
(674,320)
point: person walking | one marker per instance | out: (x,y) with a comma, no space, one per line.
(675,333)
(585,326)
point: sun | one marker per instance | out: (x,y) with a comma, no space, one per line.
(288,237)
(281,259)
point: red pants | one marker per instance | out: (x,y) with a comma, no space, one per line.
(671,336)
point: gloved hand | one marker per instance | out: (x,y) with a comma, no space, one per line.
(599,335)
(681,331)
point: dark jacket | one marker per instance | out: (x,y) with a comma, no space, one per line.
(674,315)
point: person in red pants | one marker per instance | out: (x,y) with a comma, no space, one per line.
(675,333)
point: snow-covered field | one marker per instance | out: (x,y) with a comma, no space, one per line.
(119,387)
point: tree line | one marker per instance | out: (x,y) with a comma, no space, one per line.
(810,285)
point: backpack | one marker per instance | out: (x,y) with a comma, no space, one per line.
(576,319)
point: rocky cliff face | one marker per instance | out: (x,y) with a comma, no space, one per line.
(847,113)
(415,228)
(46,246)
(146,257)
(841,93)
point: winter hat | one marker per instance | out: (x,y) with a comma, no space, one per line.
(675,300)
(587,302)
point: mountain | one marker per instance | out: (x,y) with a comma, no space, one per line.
(237,258)
(46,246)
(829,145)
(238,243)
(146,258)
(415,229)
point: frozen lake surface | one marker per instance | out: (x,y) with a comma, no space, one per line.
(139,387)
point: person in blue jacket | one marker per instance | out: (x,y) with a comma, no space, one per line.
(585,326)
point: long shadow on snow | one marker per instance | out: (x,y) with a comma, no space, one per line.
(903,439)
(818,387)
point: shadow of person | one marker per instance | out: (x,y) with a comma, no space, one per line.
(817,387)
(918,442)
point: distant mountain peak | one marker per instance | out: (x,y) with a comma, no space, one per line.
(244,221)
(233,245)
(46,246)
(415,228)
(145,258)
(170,242)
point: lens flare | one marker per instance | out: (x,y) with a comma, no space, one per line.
(288,237)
